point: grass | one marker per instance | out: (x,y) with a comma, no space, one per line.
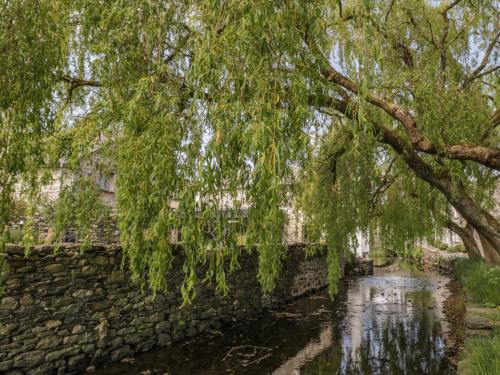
(482,283)
(482,355)
(480,280)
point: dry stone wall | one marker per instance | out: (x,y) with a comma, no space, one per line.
(63,312)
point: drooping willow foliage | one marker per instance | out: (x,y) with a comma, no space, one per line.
(200,103)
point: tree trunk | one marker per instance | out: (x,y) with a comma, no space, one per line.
(486,226)
(467,235)
(482,221)
(490,254)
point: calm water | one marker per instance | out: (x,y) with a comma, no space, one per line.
(389,323)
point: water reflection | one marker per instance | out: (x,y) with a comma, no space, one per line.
(389,323)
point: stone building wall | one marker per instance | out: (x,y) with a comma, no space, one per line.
(61,313)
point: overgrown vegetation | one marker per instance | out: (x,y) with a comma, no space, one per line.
(482,355)
(480,280)
(379,252)
(413,255)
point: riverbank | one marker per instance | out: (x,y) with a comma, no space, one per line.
(474,310)
(481,292)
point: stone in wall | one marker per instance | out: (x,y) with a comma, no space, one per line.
(62,312)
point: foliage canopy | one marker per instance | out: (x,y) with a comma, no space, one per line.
(372,115)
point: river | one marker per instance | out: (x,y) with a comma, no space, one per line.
(392,322)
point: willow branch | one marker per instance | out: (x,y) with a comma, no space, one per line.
(395,111)
(489,71)
(386,182)
(401,48)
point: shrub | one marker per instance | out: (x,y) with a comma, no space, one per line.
(460,248)
(441,245)
(480,280)
(482,355)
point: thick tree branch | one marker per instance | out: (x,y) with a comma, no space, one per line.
(467,235)
(390,108)
(489,157)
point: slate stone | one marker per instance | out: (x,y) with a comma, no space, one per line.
(49,342)
(9,303)
(29,359)
(476,322)
(121,353)
(54,268)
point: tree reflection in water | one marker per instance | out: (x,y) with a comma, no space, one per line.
(390,327)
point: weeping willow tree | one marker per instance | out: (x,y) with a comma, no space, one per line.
(373,115)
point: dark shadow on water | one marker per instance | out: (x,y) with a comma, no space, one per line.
(390,323)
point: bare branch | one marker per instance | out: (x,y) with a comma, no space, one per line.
(431,31)
(489,71)
(443,47)
(456,37)
(74,83)
(476,73)
(451,6)
(388,11)
(77,82)
(494,123)
(178,49)
(419,31)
